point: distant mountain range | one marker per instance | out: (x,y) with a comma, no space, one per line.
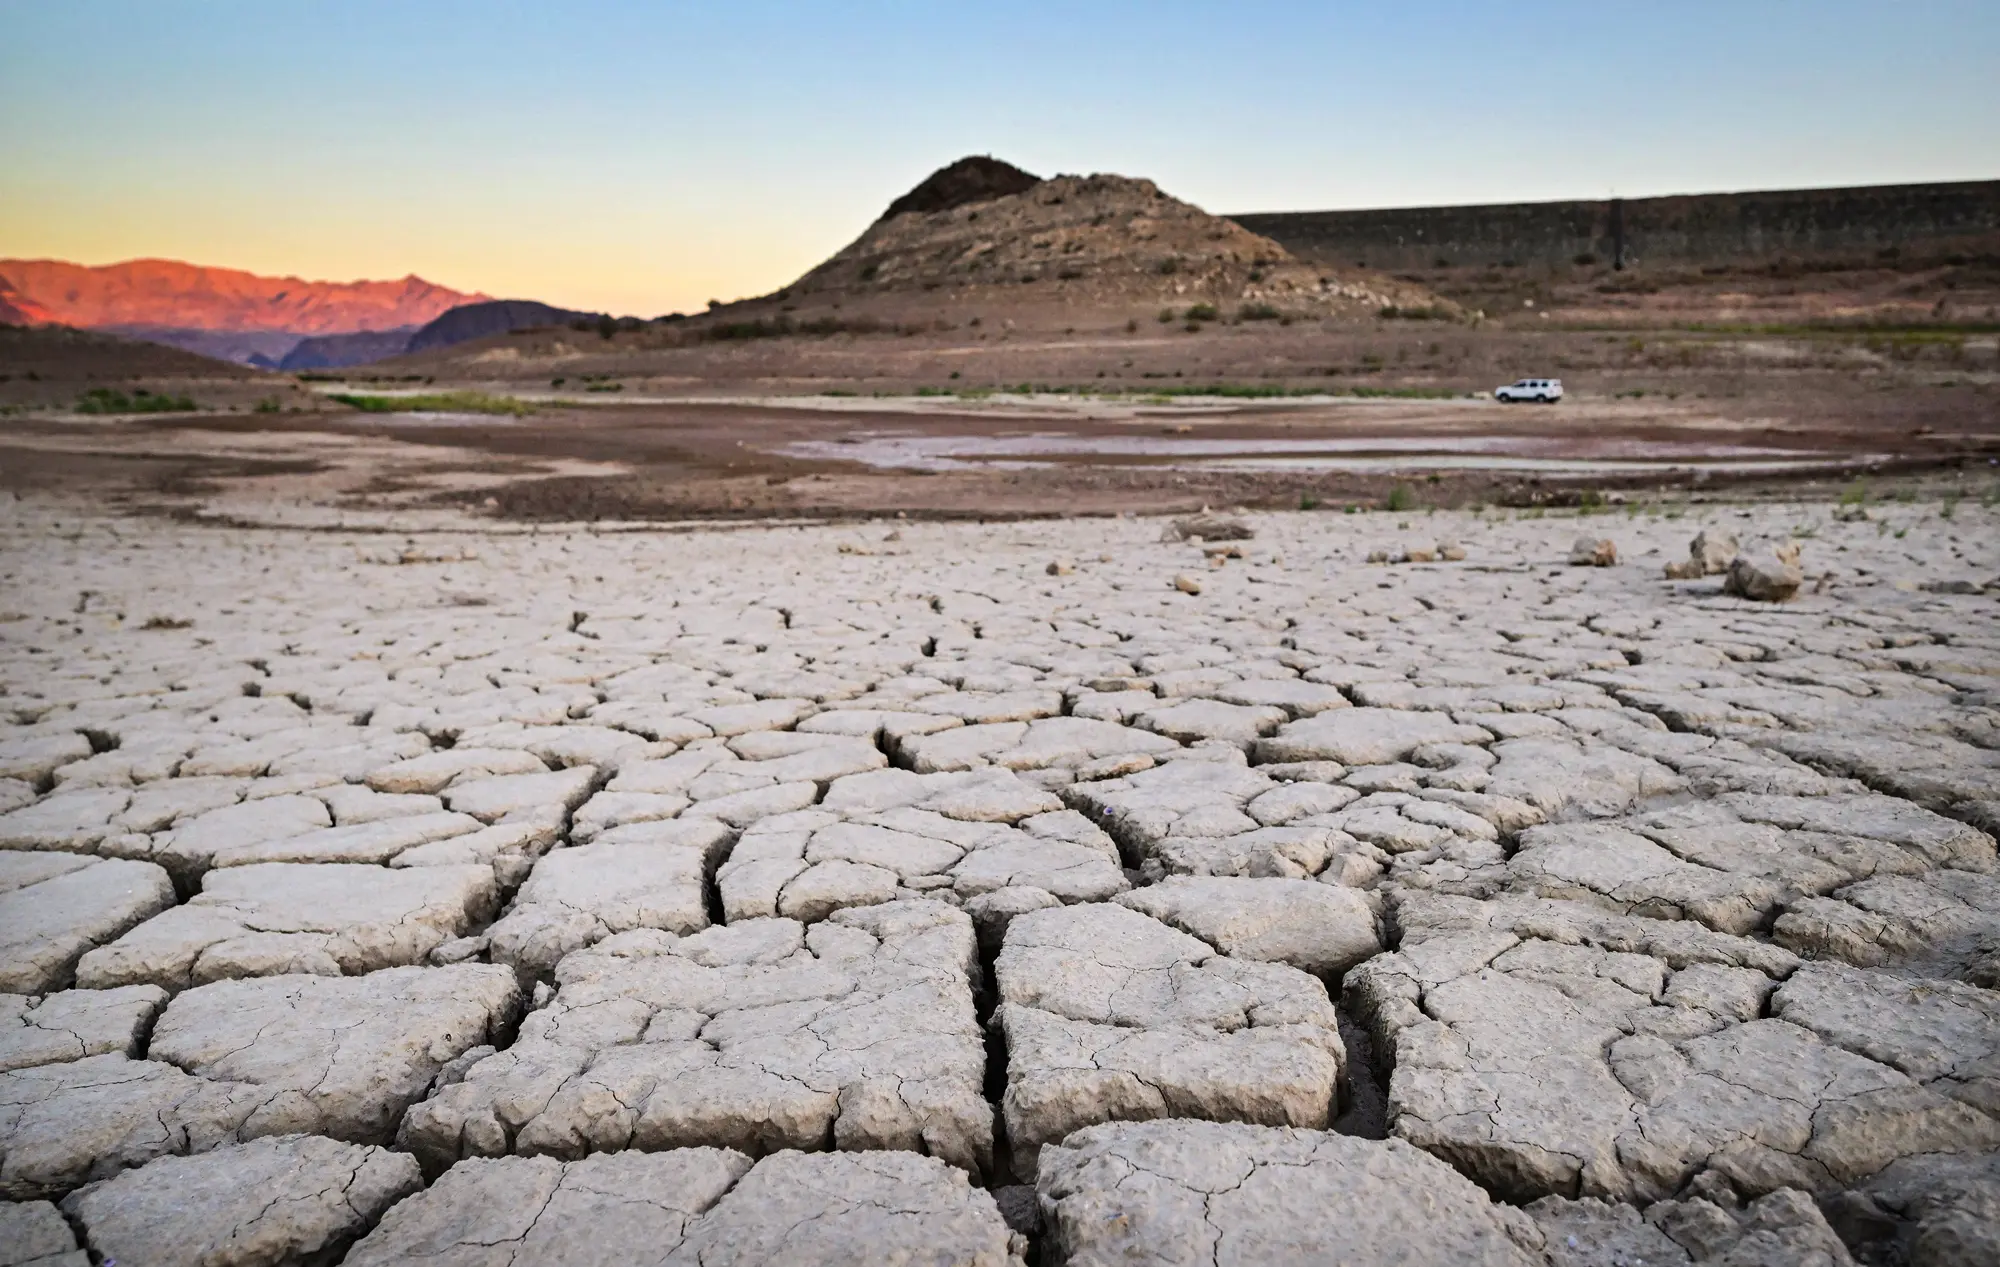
(272,322)
(172,295)
(460,325)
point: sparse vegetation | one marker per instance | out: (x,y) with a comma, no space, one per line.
(1423,312)
(1401,498)
(781,326)
(435,402)
(1202,312)
(106,400)
(1258,312)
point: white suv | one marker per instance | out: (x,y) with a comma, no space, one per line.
(1543,391)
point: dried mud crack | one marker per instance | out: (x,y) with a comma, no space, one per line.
(1056,891)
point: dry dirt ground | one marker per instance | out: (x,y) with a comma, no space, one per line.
(1062,891)
(952,423)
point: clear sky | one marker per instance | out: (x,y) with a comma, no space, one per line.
(646,157)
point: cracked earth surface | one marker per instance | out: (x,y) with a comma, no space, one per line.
(1064,892)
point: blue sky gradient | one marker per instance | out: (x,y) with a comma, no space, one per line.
(647,157)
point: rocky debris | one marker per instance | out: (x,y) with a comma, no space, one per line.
(277,918)
(1206,527)
(55,908)
(35,1234)
(76,1023)
(1242,1196)
(1771,579)
(1595,1055)
(645,875)
(336,1056)
(1112,1016)
(1442,552)
(1933,1211)
(762,1035)
(1186,583)
(698,1205)
(291,1200)
(1593,552)
(1779,1227)
(1709,554)
(1323,929)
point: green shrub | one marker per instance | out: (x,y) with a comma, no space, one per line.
(1202,312)
(437,402)
(1401,498)
(1258,312)
(106,400)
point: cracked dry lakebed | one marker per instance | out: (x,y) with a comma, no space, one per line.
(1301,888)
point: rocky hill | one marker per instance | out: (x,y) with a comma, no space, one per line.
(981,233)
